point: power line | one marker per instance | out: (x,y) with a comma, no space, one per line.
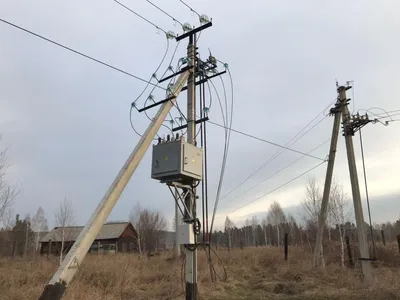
(77,52)
(280,170)
(227,142)
(275,189)
(160,9)
(191,9)
(288,144)
(273,157)
(140,16)
(266,141)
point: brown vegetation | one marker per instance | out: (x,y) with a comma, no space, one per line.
(254,273)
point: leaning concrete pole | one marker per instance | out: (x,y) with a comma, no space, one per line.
(57,285)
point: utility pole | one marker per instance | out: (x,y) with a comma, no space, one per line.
(177,245)
(348,130)
(336,111)
(191,254)
(60,280)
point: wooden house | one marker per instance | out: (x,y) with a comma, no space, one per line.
(113,237)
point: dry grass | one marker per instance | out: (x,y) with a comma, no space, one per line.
(254,273)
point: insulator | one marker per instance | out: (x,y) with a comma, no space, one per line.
(170,35)
(168,137)
(204,19)
(159,140)
(206,110)
(171,122)
(187,27)
(177,136)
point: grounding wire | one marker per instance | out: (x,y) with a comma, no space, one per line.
(77,52)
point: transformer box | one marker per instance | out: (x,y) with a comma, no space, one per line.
(176,160)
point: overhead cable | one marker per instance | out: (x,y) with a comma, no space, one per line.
(274,156)
(140,16)
(191,9)
(277,172)
(227,142)
(160,9)
(288,144)
(266,141)
(275,189)
(77,52)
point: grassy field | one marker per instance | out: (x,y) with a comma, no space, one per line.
(253,273)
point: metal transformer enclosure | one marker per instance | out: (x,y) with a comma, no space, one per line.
(176,160)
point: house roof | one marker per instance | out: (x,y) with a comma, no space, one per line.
(108,231)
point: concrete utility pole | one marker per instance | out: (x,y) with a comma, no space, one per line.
(337,111)
(177,245)
(191,254)
(362,235)
(57,285)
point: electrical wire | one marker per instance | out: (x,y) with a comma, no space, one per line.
(156,85)
(226,149)
(275,189)
(266,141)
(277,154)
(367,194)
(140,16)
(289,143)
(191,9)
(76,52)
(277,172)
(145,88)
(175,20)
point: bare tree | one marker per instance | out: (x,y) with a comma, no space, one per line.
(64,217)
(148,225)
(340,212)
(292,224)
(134,218)
(254,224)
(276,217)
(228,229)
(8,192)
(311,207)
(39,224)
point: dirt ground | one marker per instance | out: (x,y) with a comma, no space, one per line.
(252,273)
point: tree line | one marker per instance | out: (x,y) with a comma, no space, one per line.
(270,229)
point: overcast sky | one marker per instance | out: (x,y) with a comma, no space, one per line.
(67,118)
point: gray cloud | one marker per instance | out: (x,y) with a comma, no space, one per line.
(67,118)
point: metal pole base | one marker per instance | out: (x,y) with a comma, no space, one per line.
(53,292)
(191,291)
